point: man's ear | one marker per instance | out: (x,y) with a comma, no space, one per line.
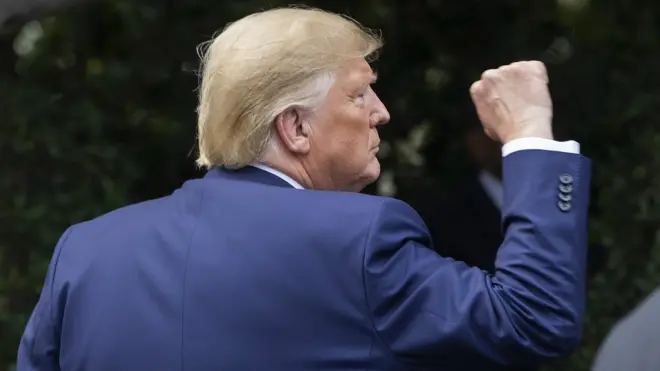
(293,130)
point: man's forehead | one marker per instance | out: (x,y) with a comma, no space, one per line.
(358,70)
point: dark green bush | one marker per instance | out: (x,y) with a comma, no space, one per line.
(99,112)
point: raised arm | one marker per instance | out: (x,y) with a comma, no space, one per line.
(432,311)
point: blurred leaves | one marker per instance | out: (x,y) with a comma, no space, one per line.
(99,112)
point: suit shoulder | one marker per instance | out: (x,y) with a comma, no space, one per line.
(382,214)
(397,217)
(353,201)
(130,214)
(346,210)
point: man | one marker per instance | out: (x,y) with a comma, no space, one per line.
(634,342)
(273,261)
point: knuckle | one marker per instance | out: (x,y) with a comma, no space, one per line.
(491,75)
(542,70)
(475,87)
(517,65)
(538,65)
(508,69)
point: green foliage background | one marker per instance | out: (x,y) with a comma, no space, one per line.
(97,106)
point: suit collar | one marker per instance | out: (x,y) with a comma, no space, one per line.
(248,174)
(280,175)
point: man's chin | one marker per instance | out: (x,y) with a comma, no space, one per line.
(370,175)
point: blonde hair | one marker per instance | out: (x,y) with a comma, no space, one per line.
(263,64)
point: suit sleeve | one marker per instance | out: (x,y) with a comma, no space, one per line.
(39,347)
(431,310)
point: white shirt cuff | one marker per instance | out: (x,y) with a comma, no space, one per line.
(523,144)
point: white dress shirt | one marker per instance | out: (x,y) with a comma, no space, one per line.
(494,190)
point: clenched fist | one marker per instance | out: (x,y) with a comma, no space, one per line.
(514,102)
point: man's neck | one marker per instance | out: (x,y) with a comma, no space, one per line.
(305,173)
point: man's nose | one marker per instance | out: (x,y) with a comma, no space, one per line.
(380,115)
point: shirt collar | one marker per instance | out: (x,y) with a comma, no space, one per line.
(279,174)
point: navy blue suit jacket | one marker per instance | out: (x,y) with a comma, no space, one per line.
(238,271)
